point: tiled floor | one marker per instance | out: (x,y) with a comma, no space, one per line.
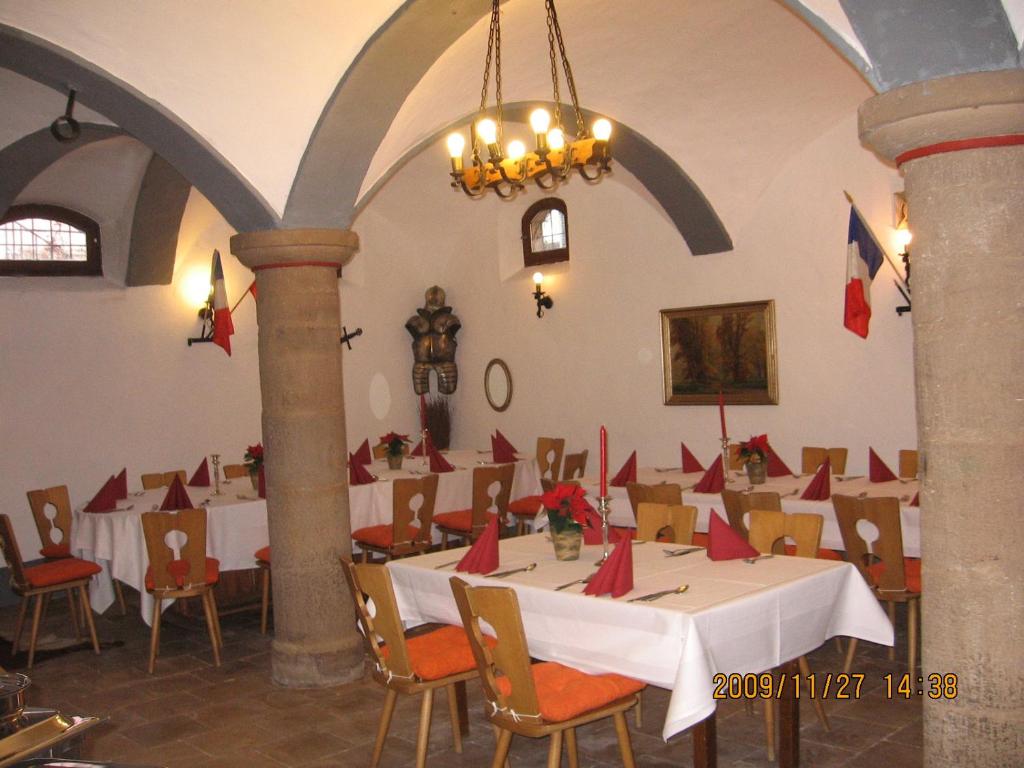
(192,714)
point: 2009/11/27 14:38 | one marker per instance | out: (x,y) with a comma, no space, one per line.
(829,685)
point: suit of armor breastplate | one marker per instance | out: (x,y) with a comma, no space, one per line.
(433,330)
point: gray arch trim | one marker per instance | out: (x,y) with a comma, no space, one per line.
(159,207)
(152,124)
(675,191)
(835,40)
(348,133)
(914,40)
(30,155)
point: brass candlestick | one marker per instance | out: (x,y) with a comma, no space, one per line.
(215,459)
(725,457)
(424,436)
(604,504)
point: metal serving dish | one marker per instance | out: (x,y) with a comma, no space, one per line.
(12,696)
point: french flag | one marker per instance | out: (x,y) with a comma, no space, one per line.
(223,328)
(863,259)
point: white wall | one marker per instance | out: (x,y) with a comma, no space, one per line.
(95,377)
(595,358)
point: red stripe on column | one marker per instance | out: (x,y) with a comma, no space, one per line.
(283,265)
(980,142)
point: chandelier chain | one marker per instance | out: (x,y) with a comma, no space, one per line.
(493,55)
(553,25)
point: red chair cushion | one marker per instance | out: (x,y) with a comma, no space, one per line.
(459,521)
(440,653)
(179,569)
(528,506)
(564,693)
(823,554)
(382,535)
(55,551)
(911,573)
(700,540)
(60,571)
(263,554)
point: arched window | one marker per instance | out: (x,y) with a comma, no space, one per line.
(49,240)
(545,233)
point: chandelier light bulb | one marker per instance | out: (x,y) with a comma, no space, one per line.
(556,139)
(540,120)
(602,129)
(456,143)
(487,130)
(516,150)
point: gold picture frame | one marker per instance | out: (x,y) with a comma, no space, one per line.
(727,347)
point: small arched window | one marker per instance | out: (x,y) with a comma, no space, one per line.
(545,233)
(49,240)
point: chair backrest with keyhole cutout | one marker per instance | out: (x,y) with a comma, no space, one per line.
(382,626)
(413,499)
(176,544)
(492,487)
(51,510)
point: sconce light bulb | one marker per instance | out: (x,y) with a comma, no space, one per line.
(516,150)
(487,130)
(903,237)
(538,279)
(456,143)
(540,120)
(556,139)
(602,129)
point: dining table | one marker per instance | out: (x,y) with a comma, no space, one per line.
(735,617)
(789,487)
(237,519)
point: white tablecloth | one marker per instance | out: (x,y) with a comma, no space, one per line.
(735,617)
(904,490)
(237,520)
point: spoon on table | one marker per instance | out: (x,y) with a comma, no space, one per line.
(794,492)
(752,560)
(680,552)
(502,574)
(584,580)
(658,595)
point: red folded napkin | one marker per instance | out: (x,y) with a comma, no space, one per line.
(483,555)
(261,482)
(616,575)
(106,499)
(820,487)
(776,466)
(501,451)
(724,543)
(176,497)
(917,500)
(122,484)
(690,463)
(627,474)
(201,477)
(878,472)
(713,480)
(357,472)
(418,450)
(439,463)
(503,442)
(362,454)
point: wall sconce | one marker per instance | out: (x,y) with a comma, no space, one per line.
(543,300)
(903,238)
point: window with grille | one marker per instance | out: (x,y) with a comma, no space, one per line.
(545,231)
(49,240)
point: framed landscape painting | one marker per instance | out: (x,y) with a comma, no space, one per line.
(727,347)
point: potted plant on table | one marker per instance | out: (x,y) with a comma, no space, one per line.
(567,511)
(394,444)
(754,453)
(254,460)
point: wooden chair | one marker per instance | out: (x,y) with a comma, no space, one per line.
(812,458)
(738,503)
(653,520)
(161,479)
(735,462)
(192,574)
(769,530)
(544,699)
(66,574)
(470,523)
(55,548)
(894,578)
(574,465)
(668,493)
(262,556)
(416,665)
(400,537)
(235,471)
(908,465)
(549,461)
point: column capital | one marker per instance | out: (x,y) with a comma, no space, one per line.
(276,248)
(979,109)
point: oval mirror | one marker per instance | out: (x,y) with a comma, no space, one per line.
(498,384)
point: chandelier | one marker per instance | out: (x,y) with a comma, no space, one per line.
(507,170)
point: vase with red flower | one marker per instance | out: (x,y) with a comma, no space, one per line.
(395,448)
(567,510)
(754,454)
(254,460)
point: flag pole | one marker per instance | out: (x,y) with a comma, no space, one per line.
(901,283)
(242,298)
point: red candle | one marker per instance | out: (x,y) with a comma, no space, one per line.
(604,461)
(721,412)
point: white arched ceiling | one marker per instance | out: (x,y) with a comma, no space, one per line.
(728,90)
(251,78)
(30,106)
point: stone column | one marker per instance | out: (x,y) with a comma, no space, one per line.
(959,142)
(299,314)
